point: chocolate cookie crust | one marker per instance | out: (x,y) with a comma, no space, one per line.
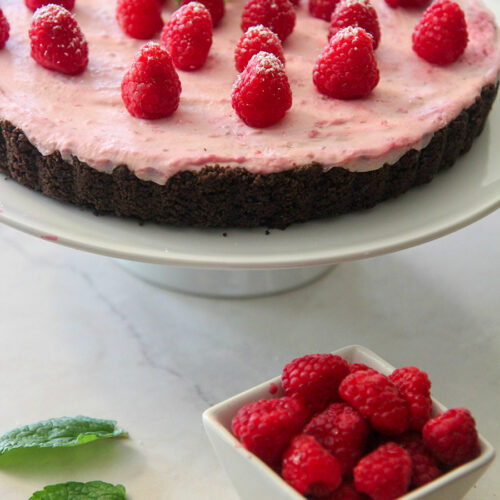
(233,197)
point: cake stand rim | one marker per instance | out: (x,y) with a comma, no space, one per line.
(472,185)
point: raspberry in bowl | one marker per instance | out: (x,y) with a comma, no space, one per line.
(343,466)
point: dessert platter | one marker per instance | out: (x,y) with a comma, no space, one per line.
(212,189)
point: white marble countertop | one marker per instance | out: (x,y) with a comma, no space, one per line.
(80,336)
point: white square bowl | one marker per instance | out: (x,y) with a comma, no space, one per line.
(254,480)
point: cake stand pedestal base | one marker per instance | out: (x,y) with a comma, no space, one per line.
(224,283)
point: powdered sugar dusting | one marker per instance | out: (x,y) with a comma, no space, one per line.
(261,31)
(195,7)
(350,34)
(349,3)
(51,13)
(266,63)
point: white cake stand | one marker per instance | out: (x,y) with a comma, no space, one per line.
(243,262)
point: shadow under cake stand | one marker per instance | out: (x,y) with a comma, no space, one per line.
(251,262)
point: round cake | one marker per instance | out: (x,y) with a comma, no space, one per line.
(71,137)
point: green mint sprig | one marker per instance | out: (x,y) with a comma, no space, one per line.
(59,432)
(94,490)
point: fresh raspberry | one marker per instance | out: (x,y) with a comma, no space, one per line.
(385,473)
(441,35)
(314,379)
(257,39)
(309,468)
(346,491)
(452,437)
(347,69)
(266,427)
(414,385)
(139,18)
(355,13)
(215,7)
(57,42)
(277,15)
(36,4)
(151,88)
(4,30)
(342,431)
(407,3)
(261,94)
(188,36)
(378,400)
(356,367)
(322,9)
(424,468)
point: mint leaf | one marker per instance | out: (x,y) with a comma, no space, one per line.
(95,490)
(59,432)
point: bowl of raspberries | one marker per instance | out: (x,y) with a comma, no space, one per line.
(346,426)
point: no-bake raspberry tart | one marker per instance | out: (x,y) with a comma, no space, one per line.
(70,135)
